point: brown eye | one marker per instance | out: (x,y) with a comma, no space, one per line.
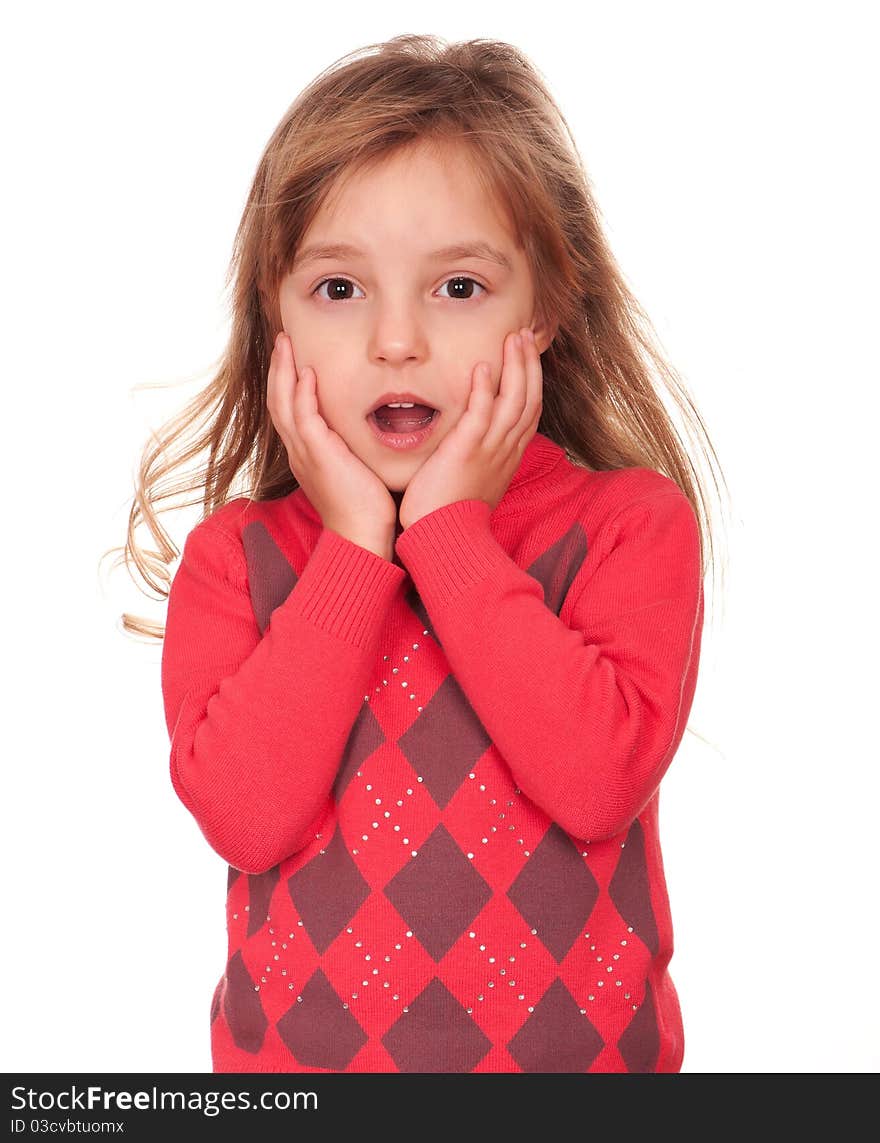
(338,287)
(461,287)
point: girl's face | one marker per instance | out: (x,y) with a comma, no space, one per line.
(399,310)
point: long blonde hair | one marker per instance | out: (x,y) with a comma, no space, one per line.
(601,401)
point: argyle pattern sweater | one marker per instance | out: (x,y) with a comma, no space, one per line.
(435,780)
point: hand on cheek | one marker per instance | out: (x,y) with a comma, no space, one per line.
(477,459)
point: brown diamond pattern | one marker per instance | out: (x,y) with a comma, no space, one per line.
(556,1037)
(436,1034)
(241,1007)
(318,1030)
(640,1043)
(555,891)
(270,577)
(366,736)
(445,741)
(327,892)
(438,893)
(630,888)
(261,886)
(556,568)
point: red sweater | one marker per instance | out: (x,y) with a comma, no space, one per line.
(435,780)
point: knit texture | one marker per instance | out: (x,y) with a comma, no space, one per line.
(435,780)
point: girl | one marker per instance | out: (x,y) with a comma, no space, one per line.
(423,678)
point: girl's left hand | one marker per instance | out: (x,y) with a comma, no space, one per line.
(477,459)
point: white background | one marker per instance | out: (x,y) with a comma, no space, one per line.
(732,151)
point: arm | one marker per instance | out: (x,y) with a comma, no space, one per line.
(258,725)
(588,707)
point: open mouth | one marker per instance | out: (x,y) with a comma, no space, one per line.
(403,418)
(404,426)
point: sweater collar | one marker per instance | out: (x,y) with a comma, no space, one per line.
(540,457)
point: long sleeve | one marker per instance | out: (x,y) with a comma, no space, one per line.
(242,709)
(587,707)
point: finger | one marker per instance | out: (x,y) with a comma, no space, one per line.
(477,417)
(534,385)
(510,401)
(279,393)
(304,404)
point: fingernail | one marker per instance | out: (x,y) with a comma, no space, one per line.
(518,341)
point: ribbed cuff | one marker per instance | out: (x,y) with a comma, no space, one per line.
(449,550)
(345,589)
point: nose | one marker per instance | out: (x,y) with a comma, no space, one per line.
(397,336)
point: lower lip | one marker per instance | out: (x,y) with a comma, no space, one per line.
(403,441)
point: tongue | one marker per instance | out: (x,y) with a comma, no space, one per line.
(403,420)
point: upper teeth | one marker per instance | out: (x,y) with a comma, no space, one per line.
(400,404)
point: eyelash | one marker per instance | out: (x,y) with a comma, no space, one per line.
(454,278)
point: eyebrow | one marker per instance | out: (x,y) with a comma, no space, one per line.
(341,250)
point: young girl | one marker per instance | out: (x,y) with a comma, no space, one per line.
(422,682)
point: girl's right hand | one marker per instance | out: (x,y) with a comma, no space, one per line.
(348,496)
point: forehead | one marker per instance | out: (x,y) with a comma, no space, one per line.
(435,190)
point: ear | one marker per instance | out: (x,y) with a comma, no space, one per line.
(544,334)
